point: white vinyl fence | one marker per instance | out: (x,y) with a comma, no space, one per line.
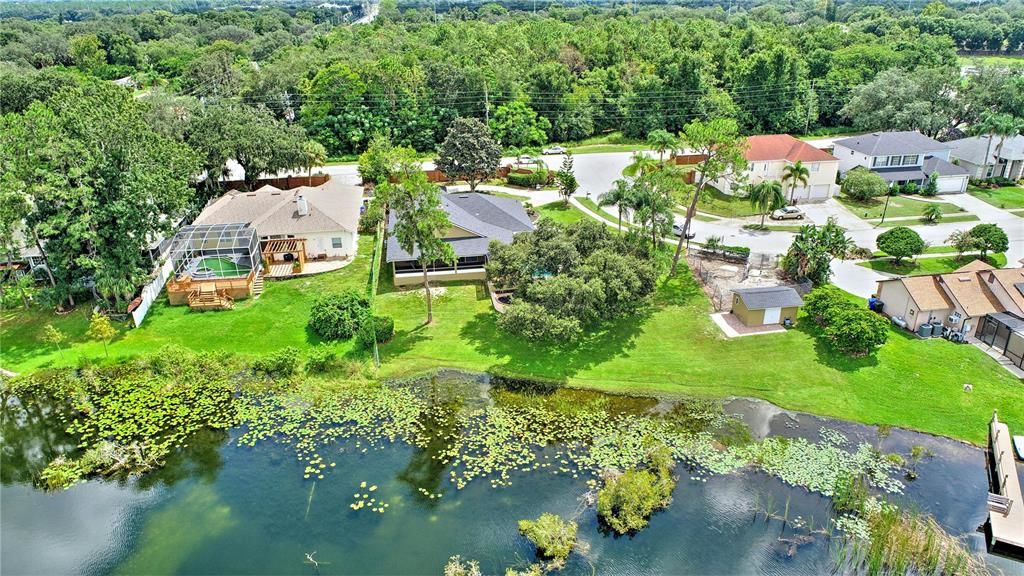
(151,291)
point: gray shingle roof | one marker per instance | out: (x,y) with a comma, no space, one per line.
(973,149)
(769,297)
(886,143)
(488,217)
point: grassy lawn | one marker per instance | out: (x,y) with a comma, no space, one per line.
(1007,197)
(519,197)
(672,348)
(922,222)
(940,265)
(598,211)
(929,250)
(560,212)
(611,142)
(994,60)
(724,205)
(898,206)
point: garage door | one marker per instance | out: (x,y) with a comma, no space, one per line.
(948,184)
(772,315)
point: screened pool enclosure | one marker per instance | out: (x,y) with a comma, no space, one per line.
(210,251)
(214,265)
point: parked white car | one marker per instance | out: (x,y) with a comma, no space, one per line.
(788,213)
(554,150)
(524,159)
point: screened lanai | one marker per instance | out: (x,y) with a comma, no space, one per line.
(214,265)
(210,251)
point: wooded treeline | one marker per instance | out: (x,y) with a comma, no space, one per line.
(562,74)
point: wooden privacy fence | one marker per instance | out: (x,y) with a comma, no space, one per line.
(438,176)
(285,183)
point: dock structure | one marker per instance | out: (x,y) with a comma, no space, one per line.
(1005,504)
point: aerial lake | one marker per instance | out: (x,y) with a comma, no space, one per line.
(221,506)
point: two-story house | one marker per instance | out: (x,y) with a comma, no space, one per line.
(767,157)
(902,157)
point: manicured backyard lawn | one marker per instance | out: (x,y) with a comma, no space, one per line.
(672,348)
(560,212)
(898,206)
(938,265)
(1007,197)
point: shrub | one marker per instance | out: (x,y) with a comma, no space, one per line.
(910,188)
(284,362)
(863,184)
(627,501)
(553,537)
(900,242)
(931,187)
(381,326)
(856,331)
(824,302)
(338,316)
(534,323)
(457,567)
(320,358)
(528,179)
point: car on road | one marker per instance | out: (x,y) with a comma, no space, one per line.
(677,229)
(788,213)
(554,150)
(524,159)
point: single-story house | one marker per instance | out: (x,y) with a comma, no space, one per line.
(768,155)
(306,223)
(1004,160)
(959,300)
(902,157)
(766,306)
(476,220)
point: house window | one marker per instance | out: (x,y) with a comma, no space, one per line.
(880,162)
(895,160)
(910,160)
(336,243)
(815,167)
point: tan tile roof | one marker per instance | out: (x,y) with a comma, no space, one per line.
(1012,280)
(971,293)
(974,266)
(927,293)
(332,207)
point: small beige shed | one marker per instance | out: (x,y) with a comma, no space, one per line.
(766,306)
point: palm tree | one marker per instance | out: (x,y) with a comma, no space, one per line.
(641,164)
(1006,126)
(621,196)
(766,196)
(663,141)
(795,173)
(932,212)
(987,125)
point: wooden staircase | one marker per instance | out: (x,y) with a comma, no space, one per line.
(208,298)
(257,285)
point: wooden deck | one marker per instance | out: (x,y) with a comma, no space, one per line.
(1005,505)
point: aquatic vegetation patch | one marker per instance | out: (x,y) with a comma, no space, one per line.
(130,416)
(880,538)
(628,499)
(553,537)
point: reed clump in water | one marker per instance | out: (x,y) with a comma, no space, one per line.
(881,538)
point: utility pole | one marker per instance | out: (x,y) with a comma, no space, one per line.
(888,194)
(487,105)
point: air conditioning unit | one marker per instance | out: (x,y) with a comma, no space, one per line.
(954,317)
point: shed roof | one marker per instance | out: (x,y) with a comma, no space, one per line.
(927,292)
(886,143)
(769,297)
(784,147)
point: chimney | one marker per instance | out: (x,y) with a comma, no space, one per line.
(302,205)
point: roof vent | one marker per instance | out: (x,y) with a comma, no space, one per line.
(302,206)
(964,278)
(463,195)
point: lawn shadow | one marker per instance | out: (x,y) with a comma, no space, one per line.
(403,342)
(831,357)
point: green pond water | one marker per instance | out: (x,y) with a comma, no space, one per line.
(221,508)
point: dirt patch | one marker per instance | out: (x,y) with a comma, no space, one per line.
(719,278)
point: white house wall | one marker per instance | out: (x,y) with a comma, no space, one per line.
(820,183)
(322,243)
